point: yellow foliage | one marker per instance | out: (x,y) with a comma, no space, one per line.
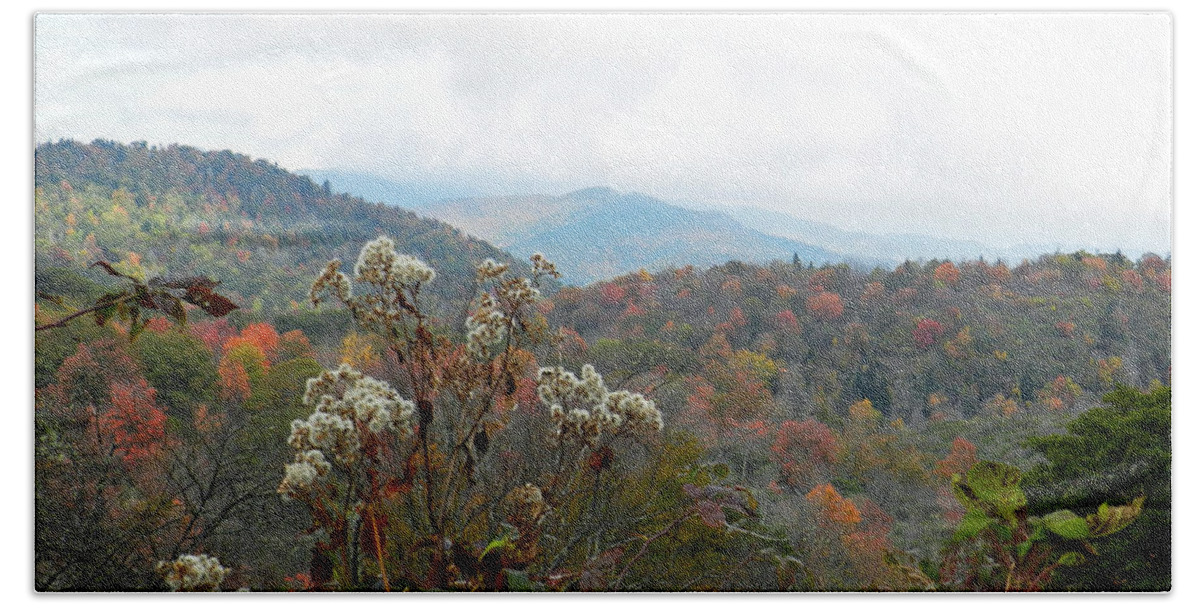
(863,410)
(358,352)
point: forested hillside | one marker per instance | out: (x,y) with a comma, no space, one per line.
(432,415)
(943,340)
(261,230)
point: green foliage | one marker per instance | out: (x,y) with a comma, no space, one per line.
(999,546)
(180,368)
(1118,452)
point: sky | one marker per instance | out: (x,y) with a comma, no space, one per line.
(1010,128)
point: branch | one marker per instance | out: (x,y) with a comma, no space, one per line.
(63,321)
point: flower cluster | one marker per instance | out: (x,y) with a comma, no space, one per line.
(346,404)
(583,407)
(193,573)
(489,269)
(519,291)
(332,281)
(299,476)
(379,266)
(542,266)
(486,326)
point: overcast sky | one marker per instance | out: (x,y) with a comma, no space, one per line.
(1048,128)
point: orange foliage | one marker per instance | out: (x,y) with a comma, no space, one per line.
(1132,279)
(264,336)
(999,273)
(612,294)
(947,274)
(800,447)
(826,306)
(832,507)
(736,317)
(233,380)
(786,320)
(960,459)
(294,344)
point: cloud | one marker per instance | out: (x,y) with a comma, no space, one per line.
(1001,128)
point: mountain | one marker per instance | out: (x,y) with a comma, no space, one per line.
(412,195)
(264,232)
(894,248)
(599,233)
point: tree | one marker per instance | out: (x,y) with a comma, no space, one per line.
(1118,452)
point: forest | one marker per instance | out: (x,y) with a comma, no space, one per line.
(246,381)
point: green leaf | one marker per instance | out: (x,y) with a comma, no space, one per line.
(1073,558)
(996,487)
(973,522)
(104,315)
(1108,520)
(504,542)
(1023,548)
(1067,525)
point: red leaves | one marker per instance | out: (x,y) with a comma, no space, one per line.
(958,461)
(600,459)
(612,294)
(136,425)
(800,446)
(927,332)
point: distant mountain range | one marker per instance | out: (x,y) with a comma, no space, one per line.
(894,248)
(599,233)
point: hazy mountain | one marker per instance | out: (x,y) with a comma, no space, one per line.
(414,194)
(893,248)
(599,233)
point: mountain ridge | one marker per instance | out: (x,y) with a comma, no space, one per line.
(597,233)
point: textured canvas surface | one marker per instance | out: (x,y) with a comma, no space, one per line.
(603,302)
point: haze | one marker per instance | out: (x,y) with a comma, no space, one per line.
(1010,128)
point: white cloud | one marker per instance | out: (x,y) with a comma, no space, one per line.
(1001,128)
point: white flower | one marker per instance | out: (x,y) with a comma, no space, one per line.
(486,327)
(379,264)
(346,404)
(193,573)
(331,281)
(489,269)
(583,407)
(519,291)
(542,266)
